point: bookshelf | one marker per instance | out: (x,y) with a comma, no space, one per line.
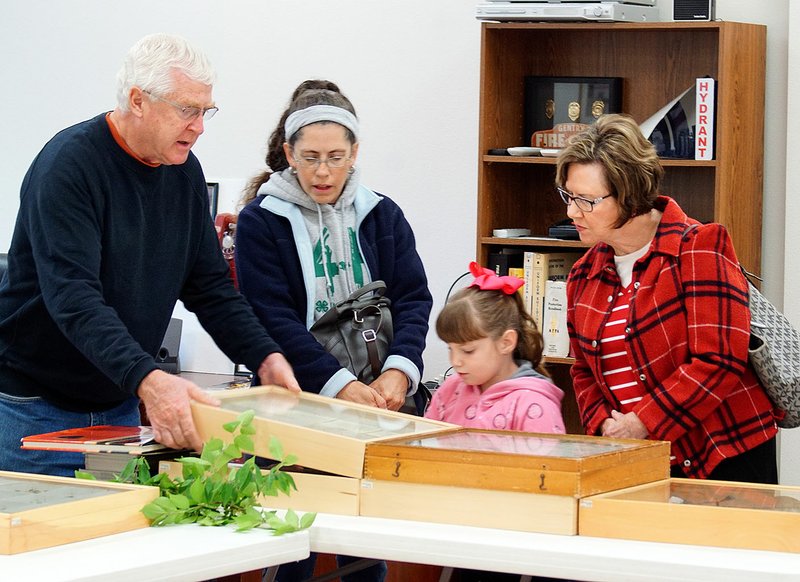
(657,61)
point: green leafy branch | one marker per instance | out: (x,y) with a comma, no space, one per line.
(211,492)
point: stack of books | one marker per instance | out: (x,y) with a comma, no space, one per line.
(106,448)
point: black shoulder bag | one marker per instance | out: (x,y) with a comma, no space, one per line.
(358,331)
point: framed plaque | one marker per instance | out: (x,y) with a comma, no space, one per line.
(558,107)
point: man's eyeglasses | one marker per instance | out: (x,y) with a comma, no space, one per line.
(187,112)
(583,204)
(331,161)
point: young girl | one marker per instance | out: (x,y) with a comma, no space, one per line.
(496,352)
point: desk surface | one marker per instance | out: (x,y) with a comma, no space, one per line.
(573,557)
(173,553)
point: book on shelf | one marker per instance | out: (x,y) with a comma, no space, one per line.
(684,127)
(554,326)
(704,119)
(100,438)
(519,273)
(541,267)
(501,261)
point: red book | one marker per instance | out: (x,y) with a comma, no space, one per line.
(101,438)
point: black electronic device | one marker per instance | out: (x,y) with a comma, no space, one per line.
(700,10)
(564,230)
(167,357)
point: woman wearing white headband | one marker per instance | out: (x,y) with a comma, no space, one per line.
(311,234)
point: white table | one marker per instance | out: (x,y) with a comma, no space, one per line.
(173,553)
(570,557)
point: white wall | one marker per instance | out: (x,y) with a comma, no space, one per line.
(411,68)
(790,440)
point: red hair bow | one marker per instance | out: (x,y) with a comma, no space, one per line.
(488,280)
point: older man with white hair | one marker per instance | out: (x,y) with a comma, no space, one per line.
(113,228)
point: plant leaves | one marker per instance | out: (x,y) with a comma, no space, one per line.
(211,493)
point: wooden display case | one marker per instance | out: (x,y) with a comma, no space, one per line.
(688,511)
(40,511)
(522,481)
(656,62)
(326,434)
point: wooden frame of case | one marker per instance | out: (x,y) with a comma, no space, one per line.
(514,510)
(328,434)
(691,511)
(520,462)
(530,481)
(50,520)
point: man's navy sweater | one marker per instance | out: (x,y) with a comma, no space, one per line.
(103,247)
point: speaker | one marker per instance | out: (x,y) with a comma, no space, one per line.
(693,10)
(167,357)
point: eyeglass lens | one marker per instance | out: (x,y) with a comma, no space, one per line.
(583,204)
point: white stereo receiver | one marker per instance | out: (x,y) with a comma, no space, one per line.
(545,11)
(642,2)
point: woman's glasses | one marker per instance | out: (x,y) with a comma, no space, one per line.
(583,204)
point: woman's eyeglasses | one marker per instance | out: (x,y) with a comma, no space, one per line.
(583,204)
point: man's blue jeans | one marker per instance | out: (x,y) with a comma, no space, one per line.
(24,416)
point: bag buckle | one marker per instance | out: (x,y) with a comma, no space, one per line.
(369,335)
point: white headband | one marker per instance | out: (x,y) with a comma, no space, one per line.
(316,113)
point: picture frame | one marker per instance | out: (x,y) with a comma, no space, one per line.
(213,197)
(559,107)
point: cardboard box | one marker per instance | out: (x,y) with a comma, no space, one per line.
(40,511)
(326,434)
(691,511)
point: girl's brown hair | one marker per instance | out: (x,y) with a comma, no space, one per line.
(473,314)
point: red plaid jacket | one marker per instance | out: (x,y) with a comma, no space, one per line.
(687,337)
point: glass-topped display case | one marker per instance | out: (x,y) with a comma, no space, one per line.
(703,512)
(555,464)
(39,511)
(326,434)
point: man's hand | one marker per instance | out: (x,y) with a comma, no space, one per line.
(276,370)
(624,426)
(166,399)
(393,386)
(359,392)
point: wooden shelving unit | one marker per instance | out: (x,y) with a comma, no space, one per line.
(657,61)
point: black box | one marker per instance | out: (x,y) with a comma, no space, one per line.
(558,107)
(699,10)
(500,262)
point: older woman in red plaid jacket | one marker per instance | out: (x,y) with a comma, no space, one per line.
(658,315)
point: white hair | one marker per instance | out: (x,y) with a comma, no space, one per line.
(151,63)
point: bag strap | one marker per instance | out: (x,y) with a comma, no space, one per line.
(749,275)
(370,336)
(377,287)
(371,341)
